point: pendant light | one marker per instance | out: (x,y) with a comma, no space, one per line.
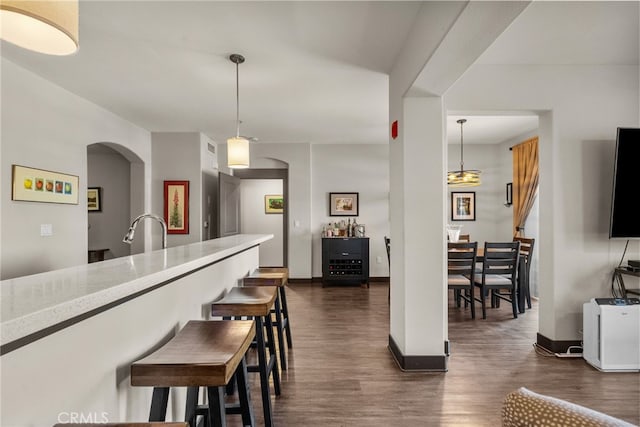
(462,177)
(237,146)
(45,26)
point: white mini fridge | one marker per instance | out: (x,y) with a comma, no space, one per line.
(611,334)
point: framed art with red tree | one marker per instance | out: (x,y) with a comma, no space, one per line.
(176,206)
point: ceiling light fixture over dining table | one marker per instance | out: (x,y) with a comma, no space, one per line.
(462,177)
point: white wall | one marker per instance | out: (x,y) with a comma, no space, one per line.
(352,168)
(177,157)
(495,161)
(110,172)
(580,106)
(254,220)
(314,171)
(47,127)
(490,210)
(298,159)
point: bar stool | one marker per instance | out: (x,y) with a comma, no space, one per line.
(275,276)
(202,354)
(256,302)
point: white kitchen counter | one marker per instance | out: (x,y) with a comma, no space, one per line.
(35,306)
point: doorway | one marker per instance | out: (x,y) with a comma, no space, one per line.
(255,186)
(115,173)
(488,138)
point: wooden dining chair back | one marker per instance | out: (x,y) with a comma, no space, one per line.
(526,253)
(499,272)
(461,260)
(387,245)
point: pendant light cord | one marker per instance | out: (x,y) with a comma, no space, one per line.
(237,59)
(461,121)
(237,100)
(461,148)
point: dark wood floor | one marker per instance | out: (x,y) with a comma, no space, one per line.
(341,372)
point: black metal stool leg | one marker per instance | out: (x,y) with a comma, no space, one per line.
(216,406)
(285,315)
(244,394)
(280,329)
(263,369)
(190,411)
(159,404)
(272,363)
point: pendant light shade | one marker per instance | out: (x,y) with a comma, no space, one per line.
(48,26)
(237,153)
(462,177)
(237,146)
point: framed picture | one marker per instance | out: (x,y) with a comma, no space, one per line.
(176,206)
(273,204)
(463,206)
(94,199)
(38,185)
(343,204)
(509,195)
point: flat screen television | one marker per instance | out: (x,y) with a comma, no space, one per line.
(625,213)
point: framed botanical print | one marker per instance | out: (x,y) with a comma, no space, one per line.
(176,206)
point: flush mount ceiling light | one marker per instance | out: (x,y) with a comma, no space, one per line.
(237,146)
(463,178)
(49,26)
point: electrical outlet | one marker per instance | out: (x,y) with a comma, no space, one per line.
(379,260)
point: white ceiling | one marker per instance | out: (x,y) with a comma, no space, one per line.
(314,72)
(487,129)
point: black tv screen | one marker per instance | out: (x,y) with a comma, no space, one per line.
(625,213)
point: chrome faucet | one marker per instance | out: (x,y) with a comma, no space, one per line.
(128,238)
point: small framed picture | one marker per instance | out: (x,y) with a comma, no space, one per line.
(343,204)
(94,199)
(176,206)
(463,206)
(273,204)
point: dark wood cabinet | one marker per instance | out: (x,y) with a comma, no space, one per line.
(345,260)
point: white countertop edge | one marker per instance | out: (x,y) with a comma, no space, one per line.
(38,320)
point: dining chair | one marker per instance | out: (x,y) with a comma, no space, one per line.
(526,254)
(387,245)
(499,272)
(461,260)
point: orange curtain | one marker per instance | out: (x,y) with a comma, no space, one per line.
(525,182)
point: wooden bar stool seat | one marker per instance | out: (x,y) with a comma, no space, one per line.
(256,302)
(275,276)
(202,354)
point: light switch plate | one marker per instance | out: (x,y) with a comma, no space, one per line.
(46,230)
